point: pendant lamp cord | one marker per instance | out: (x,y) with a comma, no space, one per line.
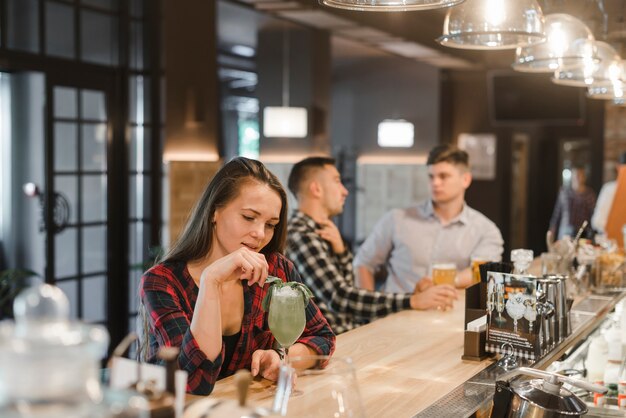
(286,68)
(605,18)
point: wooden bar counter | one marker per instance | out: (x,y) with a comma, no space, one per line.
(404,362)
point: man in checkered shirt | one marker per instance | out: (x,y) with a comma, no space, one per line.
(315,246)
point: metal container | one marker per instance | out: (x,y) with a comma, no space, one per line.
(539,398)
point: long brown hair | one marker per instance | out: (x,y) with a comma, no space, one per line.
(197,236)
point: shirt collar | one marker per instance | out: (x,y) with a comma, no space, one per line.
(428,211)
(308,221)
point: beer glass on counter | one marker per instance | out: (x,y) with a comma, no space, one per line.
(476,262)
(443,273)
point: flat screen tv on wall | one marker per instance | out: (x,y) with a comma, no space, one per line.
(523,98)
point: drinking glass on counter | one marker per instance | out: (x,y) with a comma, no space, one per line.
(286,316)
(332,391)
(550,263)
(476,263)
(443,273)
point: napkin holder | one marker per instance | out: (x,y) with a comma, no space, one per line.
(474,341)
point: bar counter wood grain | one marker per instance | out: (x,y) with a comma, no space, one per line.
(404,362)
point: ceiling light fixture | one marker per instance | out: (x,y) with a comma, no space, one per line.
(590,71)
(390,5)
(396,133)
(613,86)
(493,24)
(569,43)
(285,121)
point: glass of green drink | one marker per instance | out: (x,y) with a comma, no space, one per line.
(286,315)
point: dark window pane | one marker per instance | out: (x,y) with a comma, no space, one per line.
(94,146)
(94,198)
(65,102)
(98,38)
(139,94)
(94,250)
(60,30)
(65,254)
(65,146)
(23,25)
(139,196)
(67,186)
(139,157)
(93,105)
(94,299)
(136,46)
(135,243)
(112,5)
(133,289)
(70,288)
(136,8)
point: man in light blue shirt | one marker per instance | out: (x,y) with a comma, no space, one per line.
(441,229)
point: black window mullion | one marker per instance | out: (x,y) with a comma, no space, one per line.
(42,27)
(3,24)
(79,205)
(152,38)
(77,38)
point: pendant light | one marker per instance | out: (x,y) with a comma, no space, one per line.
(591,71)
(390,5)
(493,24)
(285,121)
(613,86)
(568,44)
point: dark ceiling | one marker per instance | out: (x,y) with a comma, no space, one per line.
(604,17)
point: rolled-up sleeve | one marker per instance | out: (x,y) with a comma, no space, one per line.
(170,325)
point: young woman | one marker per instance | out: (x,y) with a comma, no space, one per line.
(205,295)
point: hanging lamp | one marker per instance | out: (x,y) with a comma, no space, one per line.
(285,121)
(613,86)
(569,42)
(390,5)
(493,24)
(591,71)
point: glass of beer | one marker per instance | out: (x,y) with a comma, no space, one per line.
(476,262)
(443,273)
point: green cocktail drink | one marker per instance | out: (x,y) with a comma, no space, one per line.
(286,315)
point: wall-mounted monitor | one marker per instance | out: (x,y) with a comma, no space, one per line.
(528,98)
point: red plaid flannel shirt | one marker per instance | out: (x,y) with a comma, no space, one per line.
(169,294)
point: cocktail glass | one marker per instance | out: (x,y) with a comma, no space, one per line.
(286,316)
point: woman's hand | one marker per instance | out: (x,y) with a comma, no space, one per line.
(242,264)
(265,363)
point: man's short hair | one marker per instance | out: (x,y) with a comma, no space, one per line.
(302,169)
(449,154)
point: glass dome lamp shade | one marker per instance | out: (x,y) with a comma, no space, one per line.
(614,91)
(591,70)
(390,5)
(493,24)
(613,87)
(569,42)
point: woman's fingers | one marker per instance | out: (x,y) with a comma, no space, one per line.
(257,270)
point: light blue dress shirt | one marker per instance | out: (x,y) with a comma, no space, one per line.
(409,240)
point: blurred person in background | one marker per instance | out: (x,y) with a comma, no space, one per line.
(573,206)
(605,200)
(324,262)
(441,229)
